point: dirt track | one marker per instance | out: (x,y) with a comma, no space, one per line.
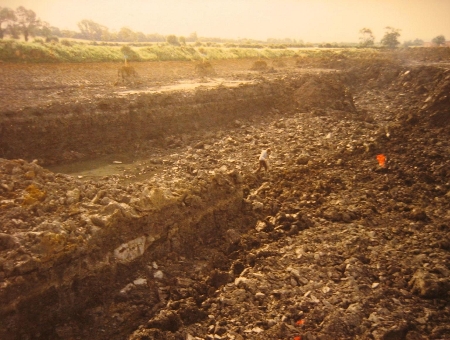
(329,244)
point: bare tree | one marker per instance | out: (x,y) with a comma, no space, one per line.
(367,38)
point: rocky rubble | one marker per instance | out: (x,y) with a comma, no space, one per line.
(60,236)
(327,244)
(343,248)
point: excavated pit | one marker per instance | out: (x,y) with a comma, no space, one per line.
(175,243)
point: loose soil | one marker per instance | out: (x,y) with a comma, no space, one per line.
(182,239)
(31,85)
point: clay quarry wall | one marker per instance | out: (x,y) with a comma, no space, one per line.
(117,124)
(72,275)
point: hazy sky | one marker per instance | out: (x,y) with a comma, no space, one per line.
(308,20)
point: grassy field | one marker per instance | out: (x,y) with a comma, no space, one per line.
(69,51)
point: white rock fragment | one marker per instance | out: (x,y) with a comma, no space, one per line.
(127,252)
(260,296)
(314,299)
(254,330)
(73,196)
(260,226)
(140,282)
(257,206)
(240,280)
(127,288)
(374,318)
(159,275)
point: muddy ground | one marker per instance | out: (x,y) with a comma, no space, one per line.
(181,239)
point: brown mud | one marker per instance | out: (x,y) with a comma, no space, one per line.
(152,223)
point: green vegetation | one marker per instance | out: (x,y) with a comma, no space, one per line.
(18,51)
(72,51)
(390,38)
(415,42)
(173,40)
(129,54)
(96,43)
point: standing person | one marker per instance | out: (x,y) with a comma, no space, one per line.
(264,160)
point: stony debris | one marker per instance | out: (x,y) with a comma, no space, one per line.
(324,92)
(326,244)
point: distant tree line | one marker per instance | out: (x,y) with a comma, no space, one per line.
(24,22)
(390,39)
(15,23)
(91,30)
(415,42)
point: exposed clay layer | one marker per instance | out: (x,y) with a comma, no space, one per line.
(78,131)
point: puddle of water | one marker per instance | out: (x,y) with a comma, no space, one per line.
(97,167)
(129,169)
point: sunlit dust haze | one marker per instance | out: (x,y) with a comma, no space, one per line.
(307,20)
